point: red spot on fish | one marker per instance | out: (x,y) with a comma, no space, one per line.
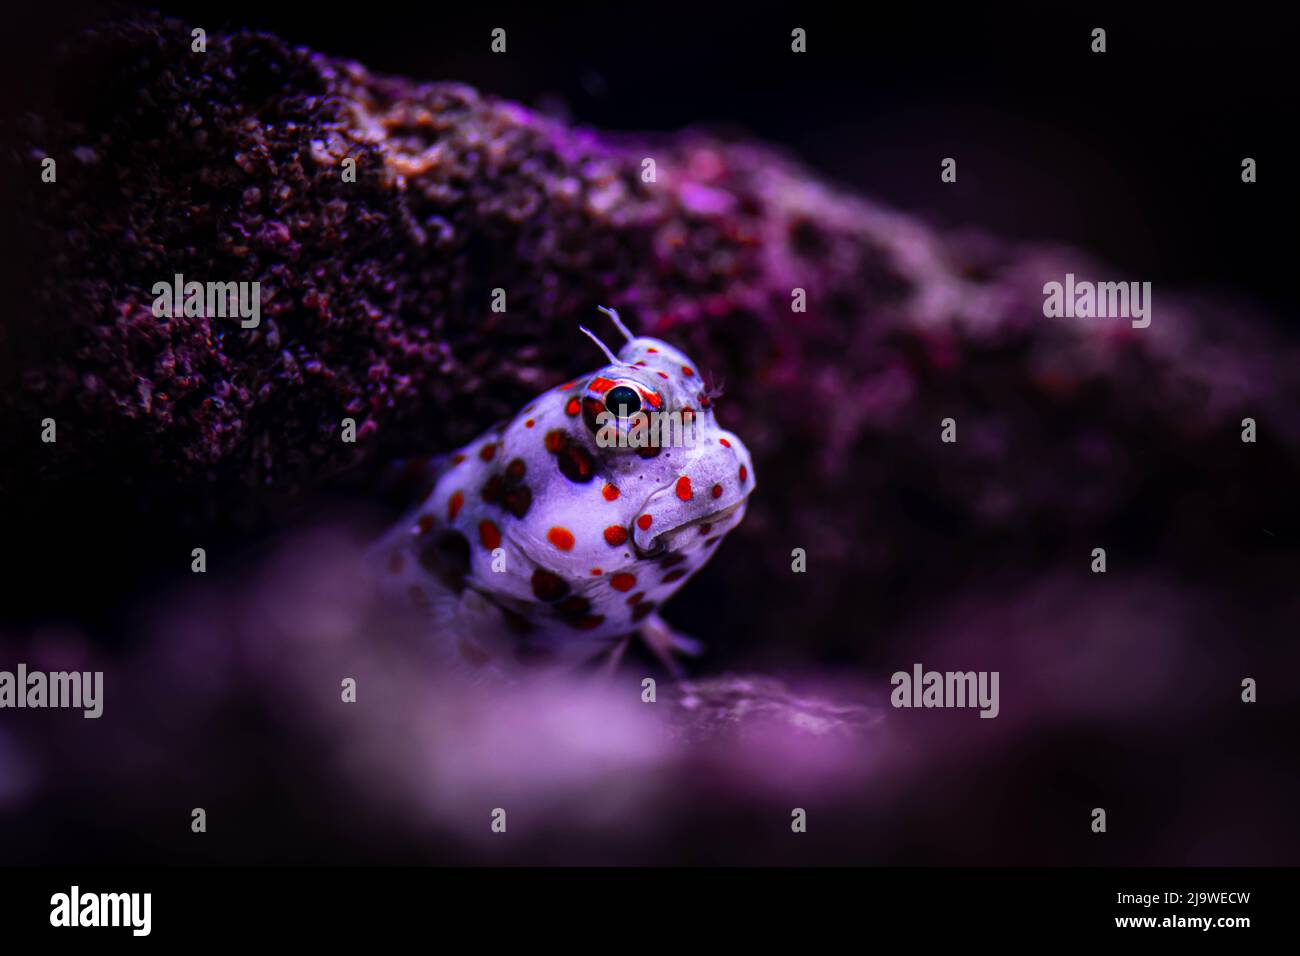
(610,492)
(662,374)
(596,572)
(622,582)
(724,443)
(716,491)
(572,407)
(454,505)
(601,385)
(684,488)
(487,451)
(644,522)
(635,598)
(672,576)
(615,535)
(555,440)
(652,350)
(425,524)
(744,473)
(457,458)
(530,423)
(515,470)
(562,538)
(489,535)
(688,371)
(705,528)
(652,397)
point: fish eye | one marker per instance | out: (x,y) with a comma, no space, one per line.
(622,401)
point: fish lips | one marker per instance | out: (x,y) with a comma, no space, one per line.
(672,519)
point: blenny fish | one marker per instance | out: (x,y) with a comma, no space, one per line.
(539,543)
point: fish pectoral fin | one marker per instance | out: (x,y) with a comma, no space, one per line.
(668,643)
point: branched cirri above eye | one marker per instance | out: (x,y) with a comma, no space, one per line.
(711,394)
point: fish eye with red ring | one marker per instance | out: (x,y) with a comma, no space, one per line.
(621,398)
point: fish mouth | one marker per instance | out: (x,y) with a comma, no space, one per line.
(657,545)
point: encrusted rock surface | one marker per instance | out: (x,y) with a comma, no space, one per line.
(730,704)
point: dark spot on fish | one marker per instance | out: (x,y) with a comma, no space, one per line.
(576,605)
(517,501)
(518,623)
(447,557)
(549,587)
(474,655)
(575,464)
(591,411)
